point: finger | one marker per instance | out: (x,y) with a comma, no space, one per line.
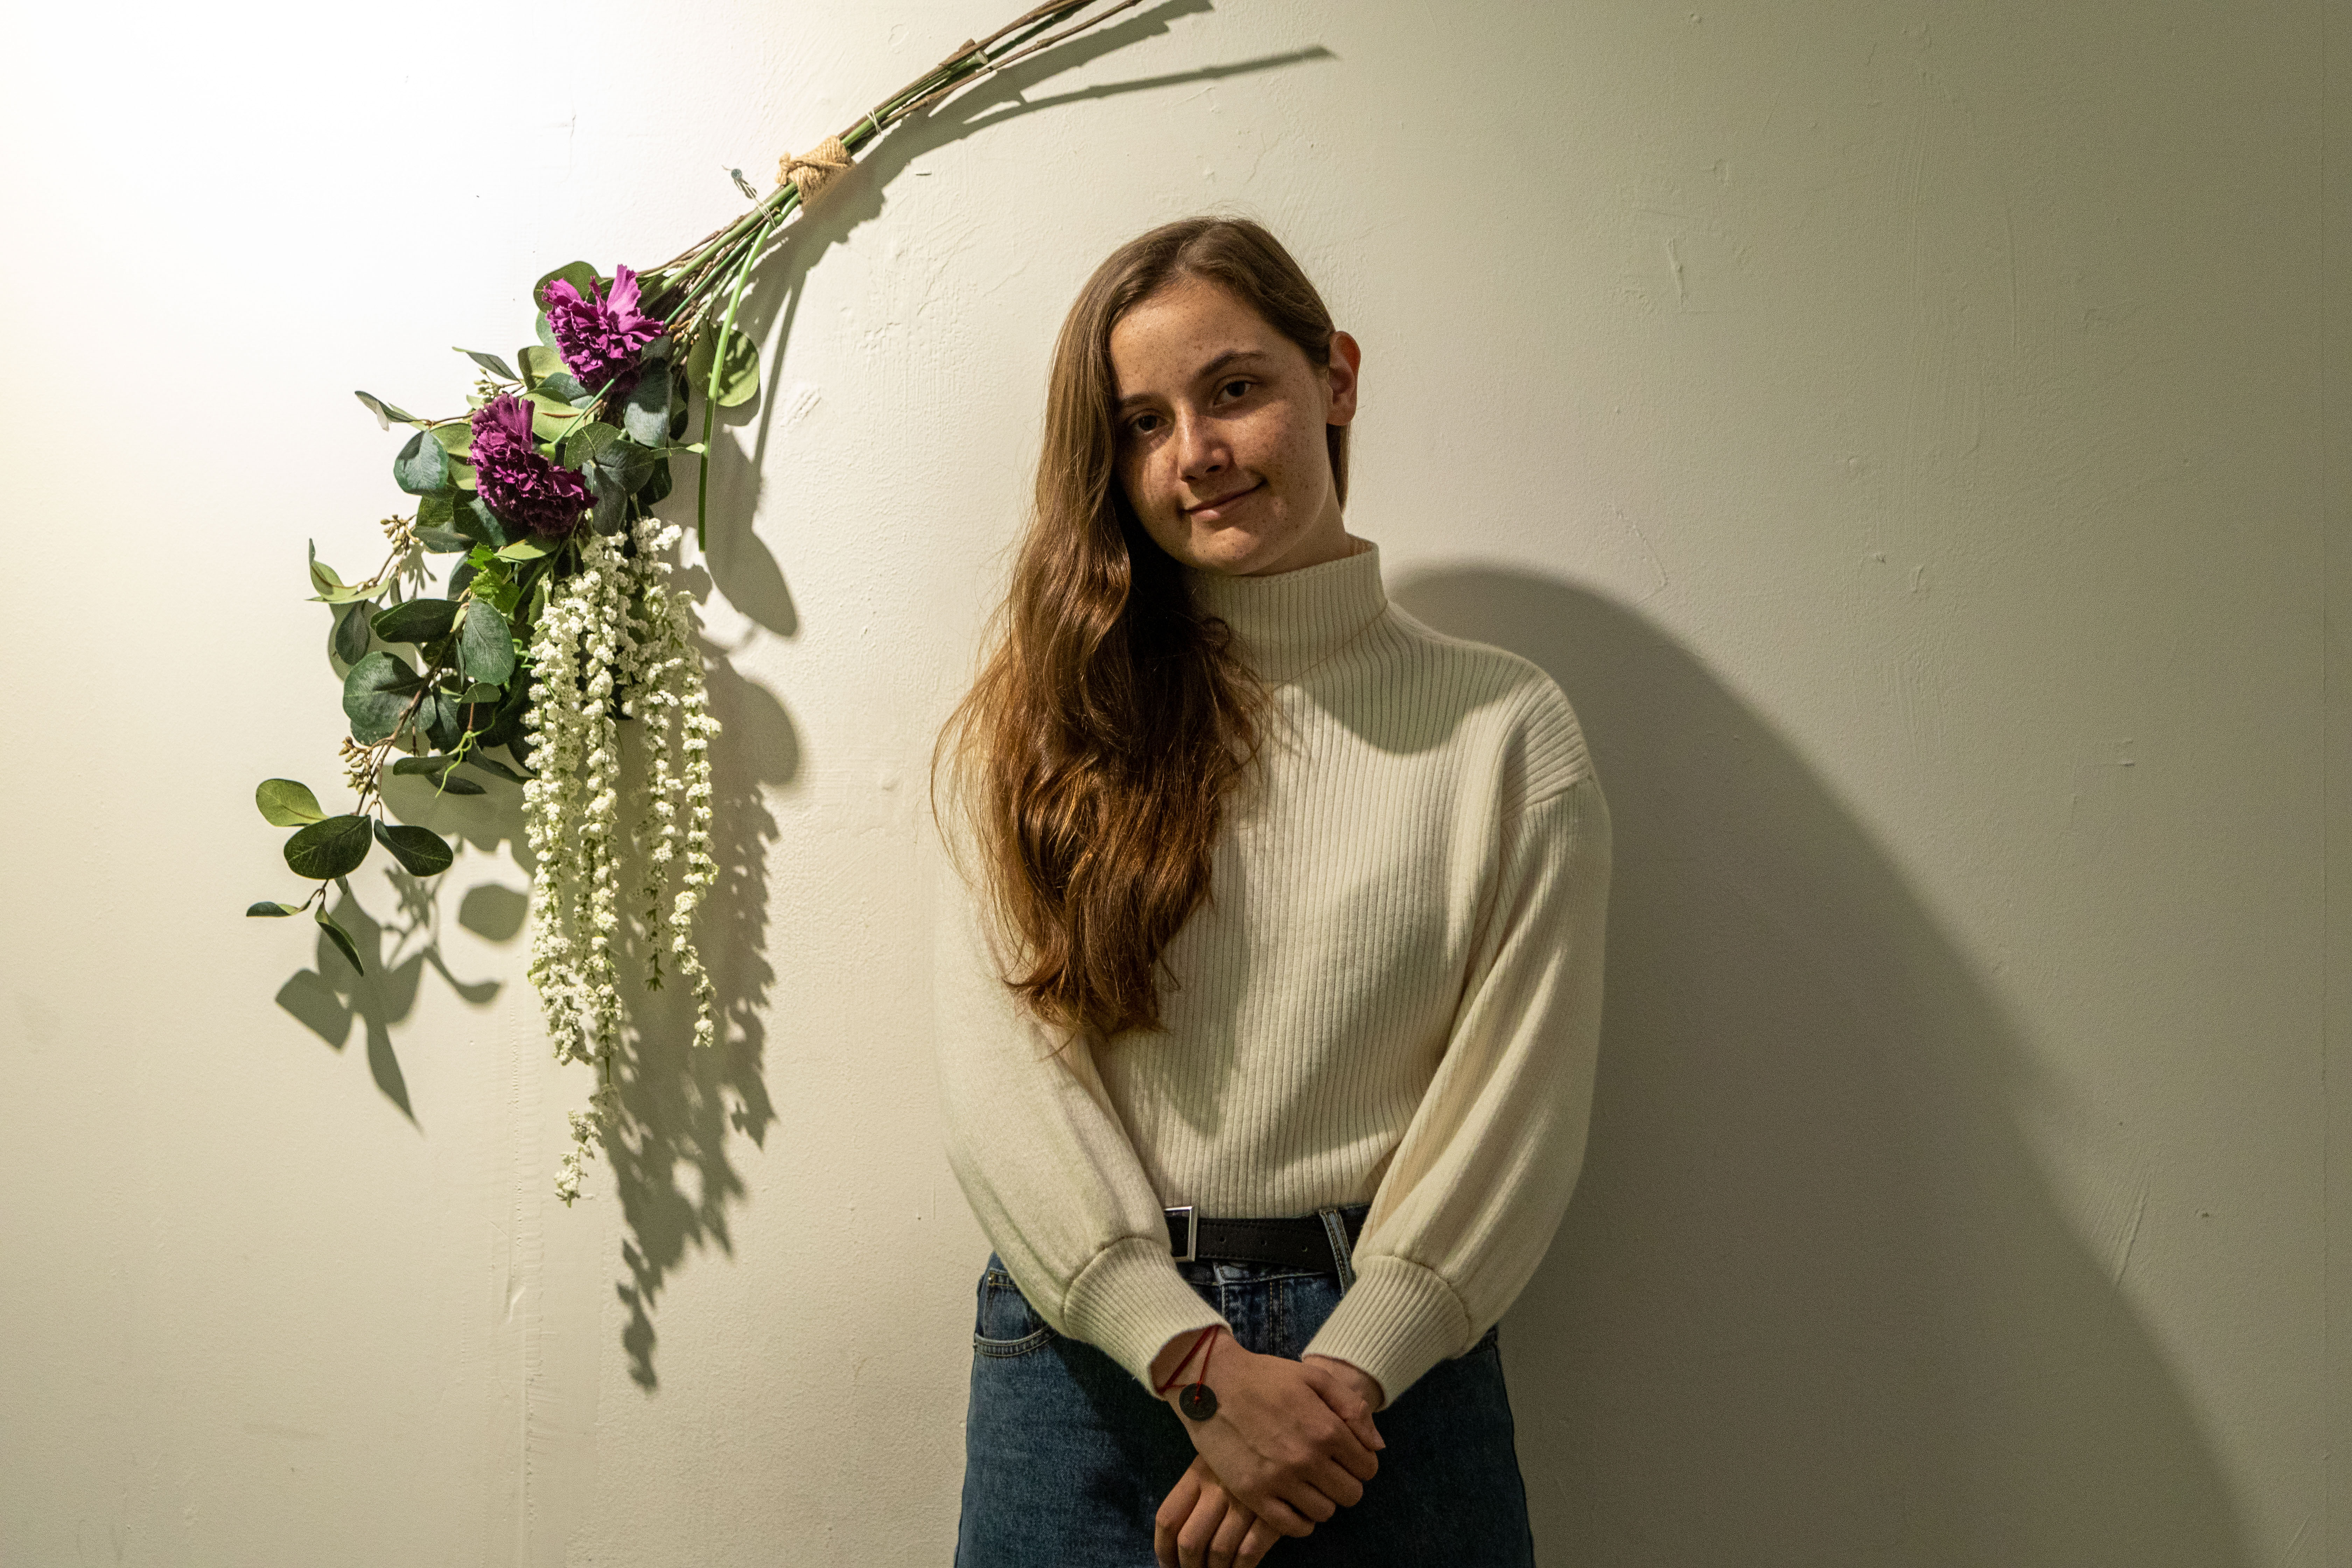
(1285,1518)
(1193,1541)
(1336,1483)
(1309,1500)
(1256,1544)
(1172,1516)
(1231,1531)
(1349,1405)
(1344,1442)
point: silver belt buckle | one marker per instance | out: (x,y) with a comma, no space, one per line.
(1191,1232)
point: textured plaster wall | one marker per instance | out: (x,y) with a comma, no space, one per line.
(1913,433)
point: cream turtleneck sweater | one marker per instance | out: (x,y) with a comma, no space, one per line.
(1392,996)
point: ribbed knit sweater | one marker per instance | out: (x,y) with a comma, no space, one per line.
(1392,996)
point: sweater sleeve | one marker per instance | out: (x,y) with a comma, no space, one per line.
(1046,1162)
(1477,1185)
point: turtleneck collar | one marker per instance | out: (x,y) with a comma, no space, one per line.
(1288,622)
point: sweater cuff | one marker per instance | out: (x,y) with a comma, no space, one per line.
(1396,1322)
(1131,1301)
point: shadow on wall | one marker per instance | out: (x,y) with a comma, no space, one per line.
(1814,1302)
(676,1106)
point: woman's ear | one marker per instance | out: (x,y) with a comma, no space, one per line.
(1346,358)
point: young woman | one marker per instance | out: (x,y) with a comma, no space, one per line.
(1268,1019)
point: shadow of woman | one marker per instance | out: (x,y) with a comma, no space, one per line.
(1814,1302)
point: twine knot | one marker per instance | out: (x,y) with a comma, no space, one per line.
(815,169)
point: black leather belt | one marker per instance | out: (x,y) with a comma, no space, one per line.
(1305,1241)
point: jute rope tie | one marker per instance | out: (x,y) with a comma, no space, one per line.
(815,169)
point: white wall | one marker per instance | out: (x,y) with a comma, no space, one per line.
(1899,426)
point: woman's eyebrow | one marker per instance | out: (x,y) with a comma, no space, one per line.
(1230,357)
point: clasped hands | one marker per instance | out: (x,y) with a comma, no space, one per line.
(1292,1443)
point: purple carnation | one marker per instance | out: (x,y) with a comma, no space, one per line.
(599,336)
(514,480)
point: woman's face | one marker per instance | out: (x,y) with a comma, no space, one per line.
(1220,423)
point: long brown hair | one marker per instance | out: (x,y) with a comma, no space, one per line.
(1111,719)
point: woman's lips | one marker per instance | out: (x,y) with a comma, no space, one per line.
(1216,506)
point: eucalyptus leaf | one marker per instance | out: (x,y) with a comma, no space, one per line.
(739,369)
(352,635)
(490,362)
(645,415)
(436,511)
(423,465)
(288,802)
(457,436)
(436,714)
(538,361)
(342,941)
(546,332)
(387,413)
(655,490)
(417,621)
(331,848)
(471,516)
(491,765)
(322,576)
(629,464)
(586,440)
(441,541)
(424,852)
(612,513)
(485,644)
(375,694)
(272,908)
(526,549)
(565,385)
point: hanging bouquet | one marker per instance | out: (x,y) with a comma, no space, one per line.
(557,621)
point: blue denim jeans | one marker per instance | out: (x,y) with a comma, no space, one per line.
(1068,1457)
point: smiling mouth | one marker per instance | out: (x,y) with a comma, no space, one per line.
(1222,501)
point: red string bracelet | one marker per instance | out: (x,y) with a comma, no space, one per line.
(1199,1401)
(1181,1365)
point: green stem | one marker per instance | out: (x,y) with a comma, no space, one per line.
(711,393)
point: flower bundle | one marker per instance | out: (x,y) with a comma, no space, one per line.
(557,622)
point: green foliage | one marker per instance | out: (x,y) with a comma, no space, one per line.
(422,851)
(324,850)
(387,413)
(423,465)
(490,362)
(486,649)
(538,361)
(441,769)
(738,368)
(585,441)
(342,941)
(526,549)
(287,803)
(354,637)
(272,908)
(376,692)
(417,621)
(645,415)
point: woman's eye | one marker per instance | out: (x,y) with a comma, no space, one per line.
(1235,388)
(1141,425)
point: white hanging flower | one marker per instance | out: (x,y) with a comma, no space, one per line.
(615,625)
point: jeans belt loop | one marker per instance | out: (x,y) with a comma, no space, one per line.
(1336,1227)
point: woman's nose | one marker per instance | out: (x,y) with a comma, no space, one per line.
(1199,448)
